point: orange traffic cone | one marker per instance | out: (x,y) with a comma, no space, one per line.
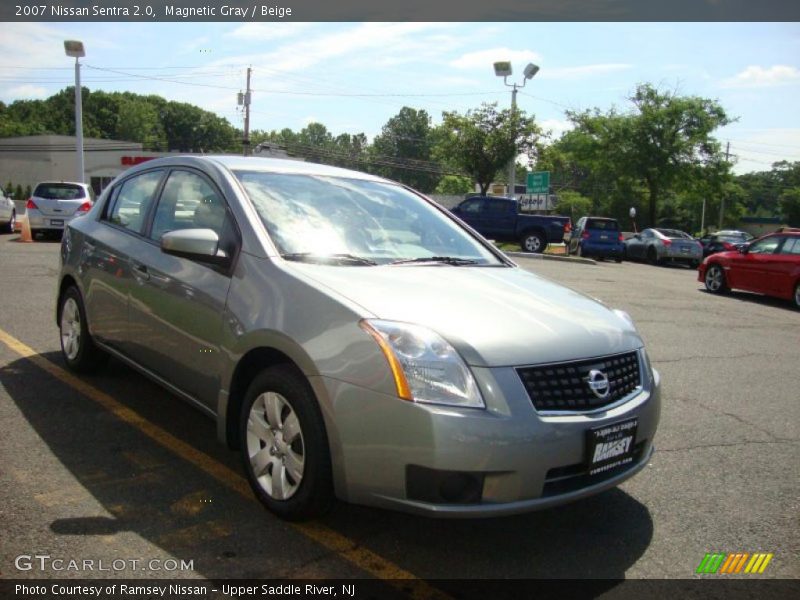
(25,231)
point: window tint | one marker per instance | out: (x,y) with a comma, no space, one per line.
(133,199)
(472,206)
(602,224)
(765,246)
(791,246)
(648,234)
(498,207)
(188,202)
(59,191)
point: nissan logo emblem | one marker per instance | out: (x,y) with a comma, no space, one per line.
(598,383)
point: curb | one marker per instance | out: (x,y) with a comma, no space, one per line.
(573,259)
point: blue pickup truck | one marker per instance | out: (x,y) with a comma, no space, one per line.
(500,219)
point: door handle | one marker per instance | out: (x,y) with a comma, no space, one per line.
(141,271)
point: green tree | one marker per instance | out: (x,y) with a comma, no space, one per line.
(18,193)
(790,206)
(483,141)
(454,185)
(573,205)
(402,151)
(137,121)
(660,142)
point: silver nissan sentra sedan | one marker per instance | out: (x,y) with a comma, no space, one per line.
(354,340)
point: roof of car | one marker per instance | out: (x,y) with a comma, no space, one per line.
(274,165)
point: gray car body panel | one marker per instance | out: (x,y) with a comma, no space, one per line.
(188,326)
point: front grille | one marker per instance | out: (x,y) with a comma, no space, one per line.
(564,387)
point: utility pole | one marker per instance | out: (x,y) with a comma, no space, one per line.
(512,172)
(722,200)
(246,140)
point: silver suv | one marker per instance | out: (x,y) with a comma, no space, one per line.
(354,340)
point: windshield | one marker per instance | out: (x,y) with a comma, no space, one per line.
(310,216)
(606,224)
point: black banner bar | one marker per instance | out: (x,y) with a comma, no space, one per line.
(154,11)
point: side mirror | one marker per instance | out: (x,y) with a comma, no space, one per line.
(743,249)
(638,236)
(197,244)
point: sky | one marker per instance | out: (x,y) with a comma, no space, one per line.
(353,77)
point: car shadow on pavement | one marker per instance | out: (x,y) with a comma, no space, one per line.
(119,481)
(754,298)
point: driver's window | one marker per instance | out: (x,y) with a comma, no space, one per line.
(188,202)
(472,206)
(765,246)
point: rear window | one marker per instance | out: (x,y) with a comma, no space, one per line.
(607,224)
(733,239)
(59,191)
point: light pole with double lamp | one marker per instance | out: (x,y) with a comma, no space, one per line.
(503,69)
(75,48)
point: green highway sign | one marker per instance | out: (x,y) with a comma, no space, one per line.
(538,182)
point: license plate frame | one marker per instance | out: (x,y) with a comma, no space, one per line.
(610,446)
(57,222)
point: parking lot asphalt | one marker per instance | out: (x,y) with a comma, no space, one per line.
(113,467)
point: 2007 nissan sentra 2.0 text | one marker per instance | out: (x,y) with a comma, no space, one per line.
(354,340)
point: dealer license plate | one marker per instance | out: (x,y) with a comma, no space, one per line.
(610,446)
(57,222)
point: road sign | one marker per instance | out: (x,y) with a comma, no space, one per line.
(538,182)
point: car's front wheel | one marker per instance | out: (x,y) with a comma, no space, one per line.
(79,350)
(284,445)
(715,280)
(797,295)
(533,242)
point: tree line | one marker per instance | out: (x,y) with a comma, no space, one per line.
(658,154)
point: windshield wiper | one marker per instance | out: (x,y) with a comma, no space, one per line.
(339,258)
(448,260)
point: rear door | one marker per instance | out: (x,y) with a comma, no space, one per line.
(783,268)
(178,304)
(107,255)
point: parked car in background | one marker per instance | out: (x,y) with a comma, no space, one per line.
(723,241)
(658,245)
(354,339)
(8,214)
(500,219)
(770,265)
(53,204)
(598,237)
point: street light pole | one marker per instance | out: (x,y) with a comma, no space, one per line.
(503,69)
(75,48)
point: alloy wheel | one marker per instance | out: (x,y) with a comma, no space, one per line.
(275,445)
(714,279)
(71,329)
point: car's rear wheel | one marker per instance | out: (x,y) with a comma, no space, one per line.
(715,280)
(77,347)
(284,445)
(533,242)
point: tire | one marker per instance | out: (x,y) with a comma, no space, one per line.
(797,295)
(694,264)
(652,257)
(77,347)
(578,251)
(715,279)
(617,259)
(12,221)
(533,242)
(293,480)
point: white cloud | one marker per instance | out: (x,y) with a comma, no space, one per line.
(557,127)
(27,92)
(582,71)
(757,76)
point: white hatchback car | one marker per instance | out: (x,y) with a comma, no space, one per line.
(55,203)
(8,214)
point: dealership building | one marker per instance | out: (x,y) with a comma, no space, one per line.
(28,160)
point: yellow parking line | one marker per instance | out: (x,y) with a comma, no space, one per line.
(341,545)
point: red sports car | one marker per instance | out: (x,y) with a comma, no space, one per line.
(770,265)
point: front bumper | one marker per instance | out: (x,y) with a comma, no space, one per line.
(522,460)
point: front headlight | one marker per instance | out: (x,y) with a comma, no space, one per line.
(425,367)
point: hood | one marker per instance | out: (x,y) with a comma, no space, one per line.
(494,316)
